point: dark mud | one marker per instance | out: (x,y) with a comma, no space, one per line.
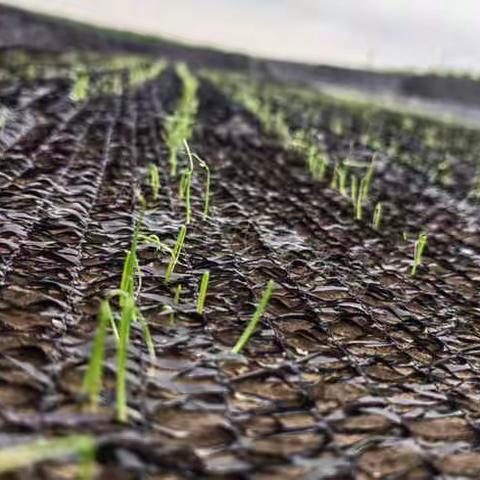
(358,370)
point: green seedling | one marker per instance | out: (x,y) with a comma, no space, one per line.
(154,180)
(359,203)
(334,181)
(126,319)
(420,245)
(377,216)
(203,292)
(363,192)
(178,291)
(317,162)
(92,381)
(179,125)
(242,341)
(367,180)
(187,184)
(206,202)
(181,186)
(80,88)
(29,454)
(154,241)
(131,264)
(342,180)
(175,255)
(142,73)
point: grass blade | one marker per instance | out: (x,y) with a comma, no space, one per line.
(154,180)
(203,292)
(256,317)
(128,314)
(176,252)
(27,455)
(377,216)
(420,245)
(206,204)
(92,382)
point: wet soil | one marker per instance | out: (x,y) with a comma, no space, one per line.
(358,370)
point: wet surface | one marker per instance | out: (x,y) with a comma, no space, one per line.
(358,370)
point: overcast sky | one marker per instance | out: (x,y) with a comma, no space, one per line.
(422,34)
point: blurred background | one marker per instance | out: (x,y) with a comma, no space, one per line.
(394,34)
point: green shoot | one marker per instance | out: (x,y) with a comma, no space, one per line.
(255,319)
(187,183)
(334,182)
(203,292)
(206,204)
(420,245)
(128,273)
(178,291)
(181,188)
(92,381)
(154,180)
(359,202)
(179,125)
(363,192)
(127,316)
(377,216)
(80,88)
(367,179)
(317,162)
(131,265)
(175,255)
(29,454)
(154,241)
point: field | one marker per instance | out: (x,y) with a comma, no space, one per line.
(207,275)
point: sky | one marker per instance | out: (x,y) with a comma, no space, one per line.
(398,34)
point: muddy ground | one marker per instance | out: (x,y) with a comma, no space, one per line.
(358,369)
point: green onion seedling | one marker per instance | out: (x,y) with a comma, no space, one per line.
(177,249)
(335,179)
(377,216)
(92,381)
(317,162)
(26,455)
(154,180)
(206,204)
(420,245)
(80,88)
(179,125)
(154,241)
(126,319)
(247,333)
(187,183)
(203,292)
